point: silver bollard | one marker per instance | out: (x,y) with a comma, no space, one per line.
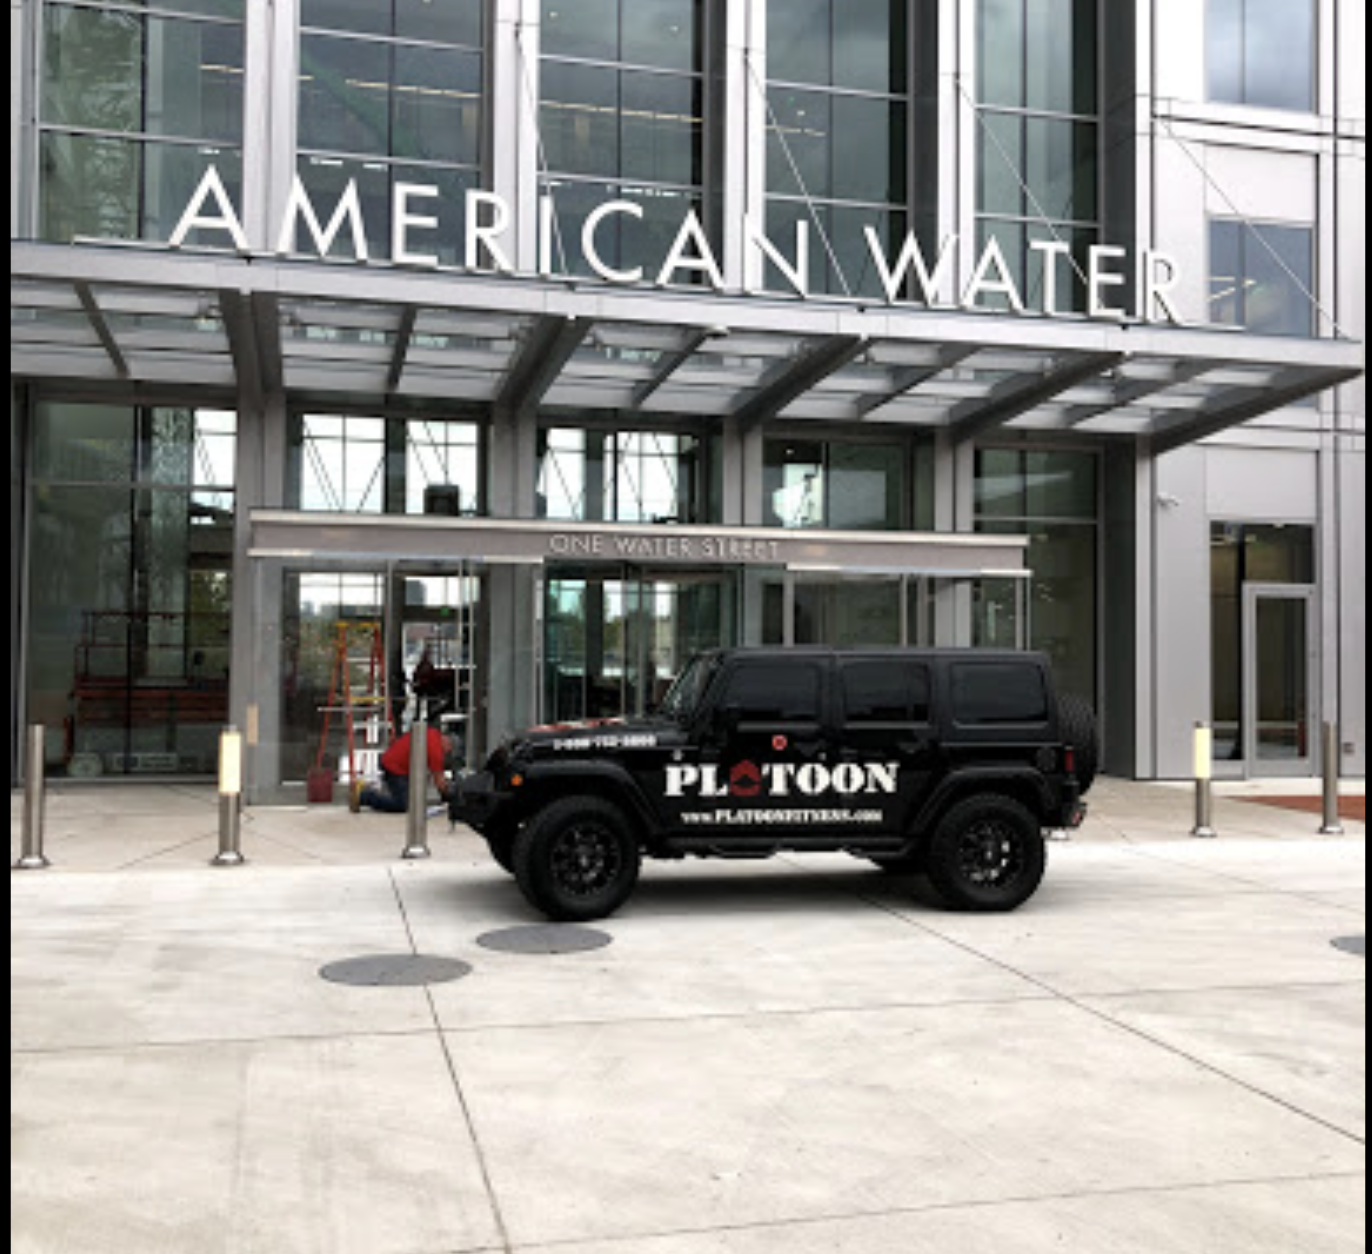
(1333,822)
(417,817)
(35,803)
(1204,769)
(230,799)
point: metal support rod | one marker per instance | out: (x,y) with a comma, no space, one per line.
(230,799)
(1204,770)
(1333,822)
(417,817)
(35,803)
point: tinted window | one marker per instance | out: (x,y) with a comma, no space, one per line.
(990,693)
(886,692)
(775,693)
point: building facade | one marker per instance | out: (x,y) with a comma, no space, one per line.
(504,353)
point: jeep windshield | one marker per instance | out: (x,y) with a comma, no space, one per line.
(684,696)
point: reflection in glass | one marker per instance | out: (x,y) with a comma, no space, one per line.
(1283,679)
(130,587)
(1261,276)
(1261,52)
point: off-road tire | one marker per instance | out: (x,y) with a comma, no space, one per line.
(577,860)
(1081,730)
(987,854)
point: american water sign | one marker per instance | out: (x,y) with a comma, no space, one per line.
(908,275)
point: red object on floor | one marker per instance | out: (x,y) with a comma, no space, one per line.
(1349,807)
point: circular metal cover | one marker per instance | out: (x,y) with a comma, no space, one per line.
(395,971)
(1356,945)
(545,939)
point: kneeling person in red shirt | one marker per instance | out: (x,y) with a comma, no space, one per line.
(393,794)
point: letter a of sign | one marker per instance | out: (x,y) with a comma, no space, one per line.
(195,219)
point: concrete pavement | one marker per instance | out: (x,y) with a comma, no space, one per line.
(1162,1053)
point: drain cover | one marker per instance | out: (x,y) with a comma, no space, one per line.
(544,939)
(1356,945)
(395,971)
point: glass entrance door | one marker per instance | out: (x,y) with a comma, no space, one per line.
(1279,681)
(613,641)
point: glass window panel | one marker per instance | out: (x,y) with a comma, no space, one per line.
(1279,54)
(1060,168)
(437,105)
(345,95)
(798,149)
(1000,490)
(870,164)
(1226,628)
(871,45)
(326,180)
(886,692)
(118,71)
(85,443)
(1279,271)
(987,693)
(793,484)
(661,33)
(1013,240)
(799,39)
(1226,273)
(1000,164)
(1277,554)
(1060,56)
(785,693)
(107,188)
(562,476)
(1063,615)
(581,28)
(580,119)
(847,234)
(93,69)
(782,217)
(1224,49)
(441,21)
(662,128)
(1061,485)
(367,17)
(866,487)
(442,455)
(1000,52)
(171,174)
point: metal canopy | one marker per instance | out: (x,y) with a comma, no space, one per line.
(146,318)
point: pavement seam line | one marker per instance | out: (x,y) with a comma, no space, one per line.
(934,1208)
(1100,1016)
(492,1199)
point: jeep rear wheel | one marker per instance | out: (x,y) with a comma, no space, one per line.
(987,854)
(577,860)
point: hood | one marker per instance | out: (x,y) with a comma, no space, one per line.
(599,734)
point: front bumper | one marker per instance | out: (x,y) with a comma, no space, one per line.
(475,800)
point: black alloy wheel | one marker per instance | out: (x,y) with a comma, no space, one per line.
(987,854)
(577,860)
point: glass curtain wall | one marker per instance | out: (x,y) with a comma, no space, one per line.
(392,91)
(1053,498)
(1260,277)
(625,476)
(1039,140)
(130,587)
(838,134)
(365,464)
(134,104)
(622,117)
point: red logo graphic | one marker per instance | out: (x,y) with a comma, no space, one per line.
(780,744)
(745,780)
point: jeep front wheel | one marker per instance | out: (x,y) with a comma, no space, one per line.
(577,860)
(987,854)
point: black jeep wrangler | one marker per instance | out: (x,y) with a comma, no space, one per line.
(949,762)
